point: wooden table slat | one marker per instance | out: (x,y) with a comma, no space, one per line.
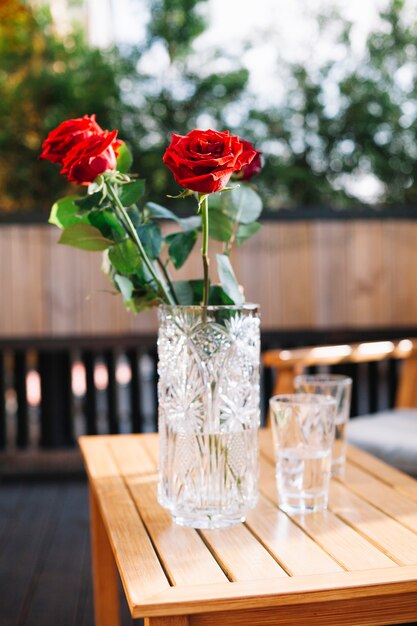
(131,455)
(184,554)
(400,481)
(381,495)
(185,557)
(295,550)
(284,592)
(151,443)
(398,542)
(241,555)
(338,539)
(139,566)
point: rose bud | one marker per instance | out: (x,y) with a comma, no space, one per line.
(91,157)
(63,138)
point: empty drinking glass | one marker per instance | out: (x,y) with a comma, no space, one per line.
(303,429)
(339,388)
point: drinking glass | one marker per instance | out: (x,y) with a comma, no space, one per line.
(340,388)
(303,430)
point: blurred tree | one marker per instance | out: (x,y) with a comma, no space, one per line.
(316,145)
(369,132)
(185,92)
(45,78)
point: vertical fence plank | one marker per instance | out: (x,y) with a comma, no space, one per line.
(266,392)
(2,403)
(373,386)
(111,392)
(56,402)
(135,392)
(90,399)
(393,368)
(21,397)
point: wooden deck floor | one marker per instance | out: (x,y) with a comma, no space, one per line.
(45,577)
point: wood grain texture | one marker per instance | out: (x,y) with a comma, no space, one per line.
(68,292)
(296,551)
(181,550)
(139,566)
(241,555)
(105,577)
(345,545)
(176,620)
(391,502)
(399,543)
(131,456)
(283,592)
(184,555)
(353,612)
(381,470)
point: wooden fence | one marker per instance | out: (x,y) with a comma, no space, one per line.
(310,275)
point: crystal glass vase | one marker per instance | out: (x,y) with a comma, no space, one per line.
(208,392)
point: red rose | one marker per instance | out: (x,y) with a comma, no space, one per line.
(204,160)
(91,157)
(253,168)
(60,141)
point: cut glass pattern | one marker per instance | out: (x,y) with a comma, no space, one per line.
(208,394)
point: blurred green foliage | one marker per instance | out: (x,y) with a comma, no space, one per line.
(311,148)
(347,118)
(44,79)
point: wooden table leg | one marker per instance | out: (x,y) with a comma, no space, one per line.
(105,576)
(174,620)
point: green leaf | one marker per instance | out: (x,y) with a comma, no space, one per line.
(125,286)
(124,257)
(197,287)
(108,224)
(184,292)
(144,302)
(220,226)
(131,192)
(190,292)
(135,216)
(228,279)
(160,212)
(242,204)
(245,232)
(64,213)
(217,295)
(180,246)
(92,201)
(145,277)
(85,237)
(124,159)
(151,238)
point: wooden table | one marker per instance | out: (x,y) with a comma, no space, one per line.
(353,564)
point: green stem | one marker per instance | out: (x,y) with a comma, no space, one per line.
(204,248)
(166,296)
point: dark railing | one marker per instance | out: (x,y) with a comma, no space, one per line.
(52,391)
(280,214)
